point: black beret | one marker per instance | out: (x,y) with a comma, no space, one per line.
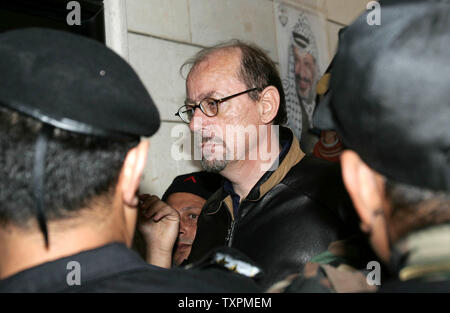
(74,83)
(202,184)
(390,91)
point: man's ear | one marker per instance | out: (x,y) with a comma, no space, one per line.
(363,184)
(268,104)
(132,170)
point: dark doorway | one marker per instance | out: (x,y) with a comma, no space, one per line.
(53,14)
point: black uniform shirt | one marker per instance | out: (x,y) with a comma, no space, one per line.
(115,268)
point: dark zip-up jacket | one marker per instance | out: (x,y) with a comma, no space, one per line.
(290,215)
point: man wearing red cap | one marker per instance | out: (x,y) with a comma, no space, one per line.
(187,194)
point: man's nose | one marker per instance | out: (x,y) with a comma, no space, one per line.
(197,120)
(304,72)
(182,229)
(298,68)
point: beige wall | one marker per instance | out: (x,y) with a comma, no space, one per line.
(162,34)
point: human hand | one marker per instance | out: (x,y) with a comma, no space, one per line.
(159,224)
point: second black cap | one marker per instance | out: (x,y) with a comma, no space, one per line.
(390,93)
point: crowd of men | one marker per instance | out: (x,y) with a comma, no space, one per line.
(263,216)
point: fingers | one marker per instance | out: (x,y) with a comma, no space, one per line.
(166,212)
(147,201)
(153,207)
(144,196)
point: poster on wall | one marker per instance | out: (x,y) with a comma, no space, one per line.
(303,54)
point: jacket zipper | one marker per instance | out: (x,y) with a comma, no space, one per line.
(231,229)
(233,223)
(230,233)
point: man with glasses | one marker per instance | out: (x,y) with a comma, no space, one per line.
(277,205)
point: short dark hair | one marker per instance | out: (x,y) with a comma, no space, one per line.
(414,208)
(77,169)
(257,71)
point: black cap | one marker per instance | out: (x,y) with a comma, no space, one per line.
(202,184)
(390,93)
(74,83)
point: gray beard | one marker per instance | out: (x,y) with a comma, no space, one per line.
(214,166)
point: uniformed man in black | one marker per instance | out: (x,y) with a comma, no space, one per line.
(390,105)
(71,116)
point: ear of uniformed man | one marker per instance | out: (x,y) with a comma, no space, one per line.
(159,224)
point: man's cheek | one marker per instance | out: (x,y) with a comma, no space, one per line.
(312,71)
(191,232)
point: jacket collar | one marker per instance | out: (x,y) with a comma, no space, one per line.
(270,179)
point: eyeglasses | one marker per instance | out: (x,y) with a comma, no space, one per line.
(209,106)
